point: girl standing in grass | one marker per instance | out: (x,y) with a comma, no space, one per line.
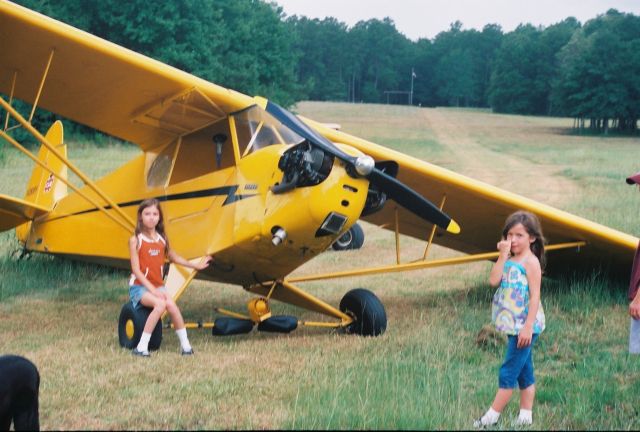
(148,248)
(517,311)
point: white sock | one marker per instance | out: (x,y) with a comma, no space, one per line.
(184,340)
(143,345)
(490,417)
(525,416)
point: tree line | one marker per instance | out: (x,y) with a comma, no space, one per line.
(586,71)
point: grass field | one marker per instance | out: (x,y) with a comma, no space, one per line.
(426,372)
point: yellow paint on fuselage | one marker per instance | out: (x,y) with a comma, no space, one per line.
(203,215)
(300,212)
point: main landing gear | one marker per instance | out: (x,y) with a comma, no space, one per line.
(367,311)
(360,313)
(130,326)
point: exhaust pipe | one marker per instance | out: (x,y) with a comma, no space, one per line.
(279,234)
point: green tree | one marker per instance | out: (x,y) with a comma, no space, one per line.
(258,55)
(516,83)
(552,40)
(454,76)
(324,57)
(383,57)
(488,43)
(462,62)
(424,83)
(598,73)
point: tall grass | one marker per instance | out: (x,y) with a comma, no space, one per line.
(437,377)
(428,371)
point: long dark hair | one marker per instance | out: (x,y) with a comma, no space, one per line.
(530,223)
(151,202)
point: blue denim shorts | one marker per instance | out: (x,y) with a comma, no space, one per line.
(517,366)
(137,291)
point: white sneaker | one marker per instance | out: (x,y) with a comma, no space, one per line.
(523,421)
(481,423)
(135,352)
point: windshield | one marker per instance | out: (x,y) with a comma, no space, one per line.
(257,129)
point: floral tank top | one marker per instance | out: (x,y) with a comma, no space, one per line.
(510,305)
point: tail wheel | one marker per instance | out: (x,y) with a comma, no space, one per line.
(370,318)
(352,239)
(130,326)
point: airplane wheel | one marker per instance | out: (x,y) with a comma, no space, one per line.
(352,239)
(367,310)
(130,326)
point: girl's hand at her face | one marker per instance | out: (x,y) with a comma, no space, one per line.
(524,337)
(504,247)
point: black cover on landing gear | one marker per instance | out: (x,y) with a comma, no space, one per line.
(279,324)
(231,326)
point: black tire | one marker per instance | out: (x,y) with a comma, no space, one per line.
(352,239)
(135,319)
(367,311)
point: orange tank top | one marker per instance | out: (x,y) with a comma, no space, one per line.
(151,256)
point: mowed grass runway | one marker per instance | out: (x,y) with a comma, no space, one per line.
(426,372)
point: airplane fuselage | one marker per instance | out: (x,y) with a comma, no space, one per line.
(216,200)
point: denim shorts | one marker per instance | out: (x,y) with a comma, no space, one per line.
(137,291)
(517,366)
(634,337)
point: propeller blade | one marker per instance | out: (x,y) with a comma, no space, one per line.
(299,127)
(412,201)
(396,190)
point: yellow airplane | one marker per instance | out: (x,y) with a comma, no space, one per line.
(240,178)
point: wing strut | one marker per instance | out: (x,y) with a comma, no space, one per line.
(433,230)
(37,99)
(126,222)
(13,88)
(421,264)
(44,77)
(63,180)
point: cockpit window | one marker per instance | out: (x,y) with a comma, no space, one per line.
(161,164)
(257,129)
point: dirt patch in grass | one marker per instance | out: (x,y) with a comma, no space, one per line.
(463,133)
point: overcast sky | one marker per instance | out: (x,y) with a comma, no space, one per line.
(426,18)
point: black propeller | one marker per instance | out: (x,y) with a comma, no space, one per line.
(365,167)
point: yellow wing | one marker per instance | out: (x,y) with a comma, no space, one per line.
(103,85)
(481,209)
